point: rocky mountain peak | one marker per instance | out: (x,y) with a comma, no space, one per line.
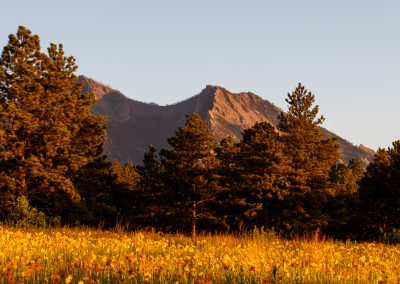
(133,125)
(94,87)
(232,112)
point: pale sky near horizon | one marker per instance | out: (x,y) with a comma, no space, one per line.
(346,52)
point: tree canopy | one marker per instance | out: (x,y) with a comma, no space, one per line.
(380,191)
(189,171)
(48,132)
(310,157)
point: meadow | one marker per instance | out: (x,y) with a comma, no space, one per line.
(82,255)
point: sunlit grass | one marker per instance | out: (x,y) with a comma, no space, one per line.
(68,255)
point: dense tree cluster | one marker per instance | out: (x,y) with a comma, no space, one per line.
(48,132)
(287,178)
(380,192)
(51,143)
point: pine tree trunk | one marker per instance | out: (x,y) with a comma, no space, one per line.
(265,220)
(194,220)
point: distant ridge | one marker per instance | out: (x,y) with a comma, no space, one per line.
(133,125)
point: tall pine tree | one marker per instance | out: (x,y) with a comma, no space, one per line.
(260,170)
(310,157)
(191,183)
(233,202)
(149,207)
(48,133)
(380,191)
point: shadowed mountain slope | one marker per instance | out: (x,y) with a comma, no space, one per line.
(133,125)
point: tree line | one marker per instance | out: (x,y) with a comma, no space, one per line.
(285,178)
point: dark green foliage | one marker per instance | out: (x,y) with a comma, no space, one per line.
(48,133)
(380,192)
(233,204)
(253,171)
(343,202)
(310,159)
(97,184)
(311,156)
(149,208)
(106,192)
(191,184)
(151,170)
(263,172)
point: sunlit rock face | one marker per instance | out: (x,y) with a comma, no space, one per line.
(133,125)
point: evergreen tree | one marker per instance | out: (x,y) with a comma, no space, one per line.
(126,191)
(345,178)
(100,196)
(343,201)
(191,183)
(310,158)
(262,169)
(151,170)
(126,174)
(233,203)
(107,192)
(48,133)
(149,208)
(380,192)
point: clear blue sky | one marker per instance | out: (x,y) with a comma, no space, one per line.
(346,52)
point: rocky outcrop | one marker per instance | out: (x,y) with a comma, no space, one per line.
(133,125)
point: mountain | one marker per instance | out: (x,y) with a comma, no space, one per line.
(133,125)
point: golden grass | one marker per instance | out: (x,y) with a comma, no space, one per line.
(68,255)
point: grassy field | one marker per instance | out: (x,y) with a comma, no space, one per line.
(66,255)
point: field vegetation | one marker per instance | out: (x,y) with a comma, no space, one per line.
(287,178)
(82,255)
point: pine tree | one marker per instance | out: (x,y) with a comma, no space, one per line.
(99,191)
(233,204)
(345,178)
(149,207)
(310,159)
(48,133)
(380,191)
(343,201)
(126,174)
(190,175)
(151,170)
(262,173)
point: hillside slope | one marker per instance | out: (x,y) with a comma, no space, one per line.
(133,125)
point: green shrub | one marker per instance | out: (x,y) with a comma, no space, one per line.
(392,237)
(22,214)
